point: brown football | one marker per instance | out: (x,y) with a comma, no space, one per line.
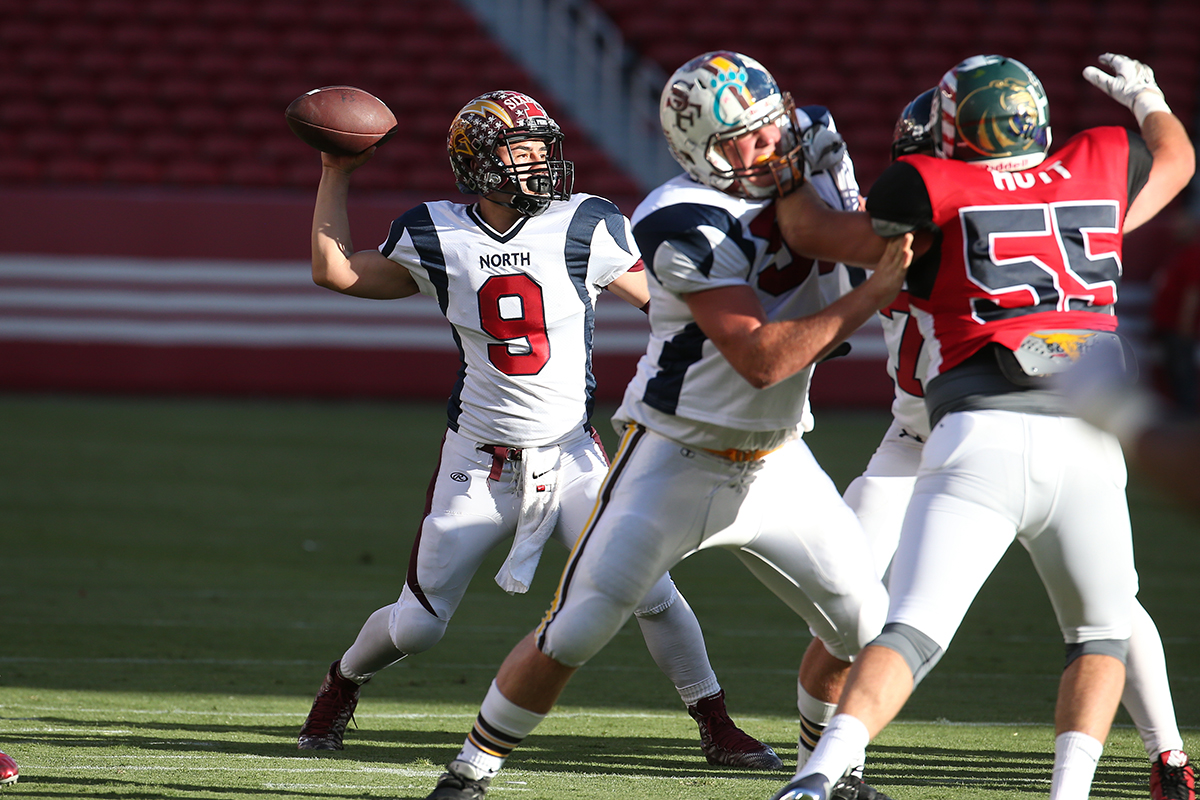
(340,119)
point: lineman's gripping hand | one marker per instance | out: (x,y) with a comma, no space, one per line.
(888,275)
(1132,86)
(823,149)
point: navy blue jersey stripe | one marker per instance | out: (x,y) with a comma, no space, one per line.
(576,252)
(818,114)
(680,225)
(678,354)
(419,224)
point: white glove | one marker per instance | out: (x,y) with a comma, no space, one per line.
(823,149)
(1132,86)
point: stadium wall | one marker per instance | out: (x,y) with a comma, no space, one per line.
(149,291)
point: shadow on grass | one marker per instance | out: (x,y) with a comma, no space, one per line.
(900,771)
(51,786)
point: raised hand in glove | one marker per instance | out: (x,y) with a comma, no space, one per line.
(1132,85)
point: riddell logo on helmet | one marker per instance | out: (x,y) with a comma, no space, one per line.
(1011,181)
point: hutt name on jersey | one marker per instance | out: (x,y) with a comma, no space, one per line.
(1020,251)
(522,309)
(694,238)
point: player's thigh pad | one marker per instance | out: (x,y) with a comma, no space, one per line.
(1084,551)
(800,539)
(651,513)
(880,495)
(967,505)
(948,548)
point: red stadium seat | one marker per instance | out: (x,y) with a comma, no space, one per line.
(164,145)
(254,173)
(132,170)
(174,15)
(192,173)
(102,144)
(69,169)
(139,116)
(16,168)
(82,115)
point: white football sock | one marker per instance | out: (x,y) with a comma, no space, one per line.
(500,727)
(676,644)
(841,748)
(814,717)
(1075,758)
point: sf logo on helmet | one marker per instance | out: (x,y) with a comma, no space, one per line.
(1000,118)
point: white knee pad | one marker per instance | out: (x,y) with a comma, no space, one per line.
(572,639)
(660,597)
(412,628)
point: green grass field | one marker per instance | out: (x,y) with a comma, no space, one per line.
(176,576)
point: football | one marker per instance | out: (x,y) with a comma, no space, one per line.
(341,120)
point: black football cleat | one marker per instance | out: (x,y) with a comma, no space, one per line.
(810,787)
(852,787)
(452,786)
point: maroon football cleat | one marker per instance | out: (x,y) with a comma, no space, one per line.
(1172,777)
(8,770)
(724,743)
(331,711)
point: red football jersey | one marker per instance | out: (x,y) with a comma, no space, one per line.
(1020,251)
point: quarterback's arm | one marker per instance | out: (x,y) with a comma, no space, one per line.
(631,287)
(1174,164)
(767,352)
(335,265)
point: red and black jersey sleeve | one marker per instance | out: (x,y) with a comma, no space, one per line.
(899,198)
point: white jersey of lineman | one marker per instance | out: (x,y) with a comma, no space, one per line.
(696,239)
(522,307)
(776,511)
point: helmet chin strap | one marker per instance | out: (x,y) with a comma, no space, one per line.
(522,203)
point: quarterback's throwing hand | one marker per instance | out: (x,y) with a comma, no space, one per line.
(1132,86)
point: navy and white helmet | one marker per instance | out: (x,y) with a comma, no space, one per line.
(720,96)
(914,129)
(994,113)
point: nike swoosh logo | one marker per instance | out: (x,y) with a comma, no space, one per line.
(537,475)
